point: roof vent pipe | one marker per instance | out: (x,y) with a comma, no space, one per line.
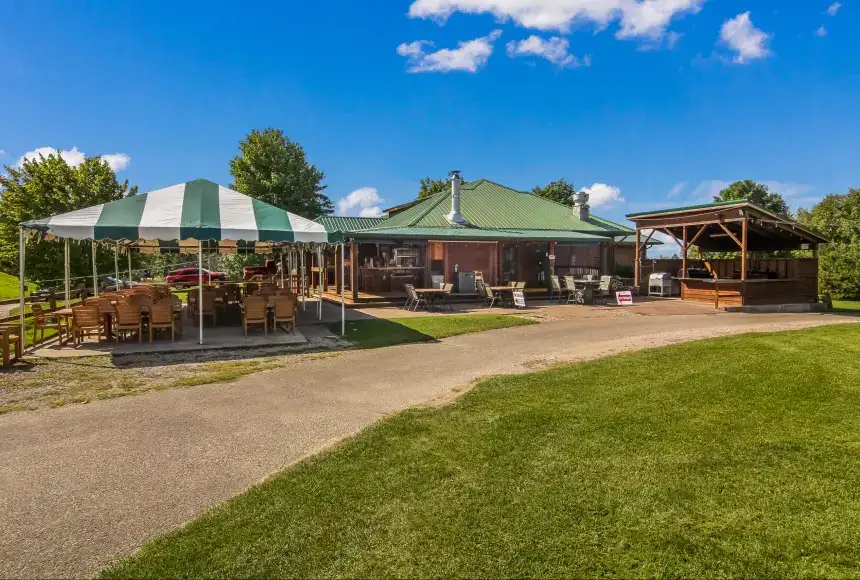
(581,209)
(455,216)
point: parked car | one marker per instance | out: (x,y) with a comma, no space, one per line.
(185,277)
(269,269)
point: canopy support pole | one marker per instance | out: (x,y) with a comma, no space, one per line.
(342,285)
(200,288)
(116,266)
(319,264)
(129,267)
(95,273)
(282,267)
(304,305)
(21,288)
(67,272)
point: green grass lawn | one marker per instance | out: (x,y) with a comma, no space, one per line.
(9,286)
(377,332)
(846,305)
(731,457)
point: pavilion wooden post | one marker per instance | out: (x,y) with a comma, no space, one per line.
(129,266)
(636,264)
(95,273)
(22,286)
(353,266)
(684,252)
(744,249)
(551,258)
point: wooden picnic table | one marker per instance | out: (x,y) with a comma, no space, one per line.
(108,315)
(431,294)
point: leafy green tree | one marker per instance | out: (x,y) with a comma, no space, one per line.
(558,191)
(48,186)
(837,218)
(756,193)
(430,186)
(272,168)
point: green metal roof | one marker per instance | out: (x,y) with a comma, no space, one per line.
(488,205)
(631,240)
(336,223)
(690,208)
(476,234)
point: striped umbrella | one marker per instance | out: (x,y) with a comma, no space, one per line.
(199,210)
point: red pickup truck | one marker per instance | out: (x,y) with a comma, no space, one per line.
(184,277)
(269,269)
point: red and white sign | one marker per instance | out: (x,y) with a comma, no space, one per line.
(624,298)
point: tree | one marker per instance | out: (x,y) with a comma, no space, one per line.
(756,193)
(559,191)
(274,169)
(44,187)
(837,218)
(430,186)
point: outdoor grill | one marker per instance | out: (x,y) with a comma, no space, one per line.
(662,284)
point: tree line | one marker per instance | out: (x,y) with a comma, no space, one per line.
(271,167)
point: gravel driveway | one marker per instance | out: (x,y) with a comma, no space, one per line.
(82,486)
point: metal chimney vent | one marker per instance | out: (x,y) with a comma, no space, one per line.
(581,209)
(455,216)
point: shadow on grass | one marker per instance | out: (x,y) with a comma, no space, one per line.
(380,332)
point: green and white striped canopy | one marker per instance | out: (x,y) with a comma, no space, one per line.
(199,210)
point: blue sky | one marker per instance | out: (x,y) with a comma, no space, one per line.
(646,104)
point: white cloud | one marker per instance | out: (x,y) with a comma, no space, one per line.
(668,248)
(470,55)
(833,8)
(374,211)
(117,161)
(820,31)
(603,195)
(555,50)
(2,152)
(676,190)
(637,18)
(365,200)
(788,189)
(74,157)
(748,42)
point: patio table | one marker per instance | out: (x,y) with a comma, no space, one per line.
(503,293)
(430,294)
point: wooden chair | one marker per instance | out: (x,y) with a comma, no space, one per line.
(255,313)
(11,338)
(140,300)
(128,318)
(42,320)
(208,309)
(86,321)
(285,311)
(161,317)
(251,288)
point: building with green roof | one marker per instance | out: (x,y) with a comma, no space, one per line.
(482,227)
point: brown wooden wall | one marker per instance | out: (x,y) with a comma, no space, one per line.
(470,257)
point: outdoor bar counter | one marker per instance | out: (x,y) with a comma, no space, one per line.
(727,292)
(376,279)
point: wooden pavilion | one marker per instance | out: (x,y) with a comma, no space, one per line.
(760,274)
